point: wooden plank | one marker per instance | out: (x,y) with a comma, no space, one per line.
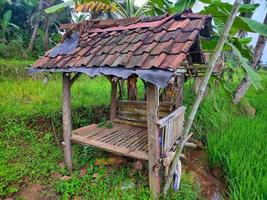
(67,125)
(133,123)
(115,134)
(142,105)
(123,141)
(142,138)
(162,122)
(125,136)
(141,145)
(119,141)
(139,112)
(134,118)
(153,140)
(131,140)
(85,129)
(102,134)
(110,148)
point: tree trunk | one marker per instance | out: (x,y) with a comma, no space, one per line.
(241,33)
(185,135)
(36,26)
(245,83)
(46,37)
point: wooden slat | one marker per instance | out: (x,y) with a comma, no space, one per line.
(127,134)
(141,103)
(139,140)
(133,139)
(133,123)
(110,148)
(172,115)
(84,130)
(119,134)
(107,132)
(139,113)
(119,141)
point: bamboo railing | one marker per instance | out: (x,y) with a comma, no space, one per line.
(171,128)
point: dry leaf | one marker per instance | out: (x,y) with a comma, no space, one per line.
(65,178)
(110,161)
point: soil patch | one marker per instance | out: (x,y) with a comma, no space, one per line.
(211,181)
(34,191)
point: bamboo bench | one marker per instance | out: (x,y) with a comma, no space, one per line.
(128,134)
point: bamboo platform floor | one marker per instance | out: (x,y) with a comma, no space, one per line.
(121,139)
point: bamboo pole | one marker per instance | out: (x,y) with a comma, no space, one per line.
(203,86)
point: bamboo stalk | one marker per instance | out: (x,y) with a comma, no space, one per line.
(203,86)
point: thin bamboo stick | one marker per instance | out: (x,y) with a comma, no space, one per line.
(203,86)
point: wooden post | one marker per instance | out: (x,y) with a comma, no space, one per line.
(132,88)
(180,91)
(67,126)
(153,140)
(113,106)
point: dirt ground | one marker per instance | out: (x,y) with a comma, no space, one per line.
(211,181)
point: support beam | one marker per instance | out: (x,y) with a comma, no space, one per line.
(132,88)
(67,125)
(153,140)
(113,105)
(180,91)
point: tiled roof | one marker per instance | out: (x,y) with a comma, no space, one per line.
(152,42)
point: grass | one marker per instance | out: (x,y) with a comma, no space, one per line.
(235,141)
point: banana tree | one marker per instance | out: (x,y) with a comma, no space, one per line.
(246,82)
(7,28)
(38,14)
(220,11)
(95,8)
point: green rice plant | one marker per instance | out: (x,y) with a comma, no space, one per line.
(238,145)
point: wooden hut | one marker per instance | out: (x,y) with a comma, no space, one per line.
(162,51)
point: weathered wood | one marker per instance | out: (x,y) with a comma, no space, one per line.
(180,91)
(142,155)
(113,106)
(133,123)
(67,125)
(142,104)
(132,88)
(135,112)
(162,122)
(197,83)
(121,139)
(153,140)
